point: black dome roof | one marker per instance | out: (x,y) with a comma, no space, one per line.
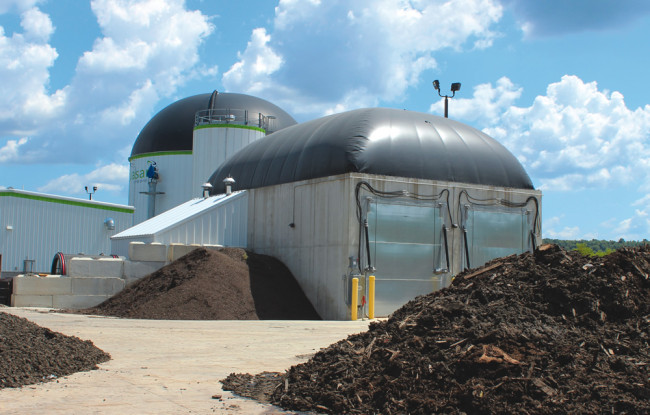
(172,128)
(379,141)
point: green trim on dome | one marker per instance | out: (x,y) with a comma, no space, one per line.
(245,127)
(162,153)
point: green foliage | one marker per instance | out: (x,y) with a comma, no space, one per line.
(594,247)
(587,251)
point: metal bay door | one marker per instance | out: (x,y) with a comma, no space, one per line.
(405,245)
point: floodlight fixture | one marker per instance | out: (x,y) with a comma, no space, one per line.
(90,192)
(454,87)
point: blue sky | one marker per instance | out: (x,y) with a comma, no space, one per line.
(561,83)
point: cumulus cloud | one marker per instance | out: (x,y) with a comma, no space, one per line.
(556,17)
(636,227)
(25,59)
(567,232)
(148,49)
(574,137)
(10,150)
(110,177)
(17,5)
(321,57)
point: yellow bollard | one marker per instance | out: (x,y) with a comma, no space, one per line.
(355,298)
(371,297)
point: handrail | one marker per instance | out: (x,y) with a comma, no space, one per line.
(236,117)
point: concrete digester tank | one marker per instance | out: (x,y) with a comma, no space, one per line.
(176,151)
(411,198)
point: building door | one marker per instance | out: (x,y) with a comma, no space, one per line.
(494,232)
(407,250)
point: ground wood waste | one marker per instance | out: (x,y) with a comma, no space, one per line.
(543,333)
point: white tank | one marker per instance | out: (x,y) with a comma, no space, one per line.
(173,185)
(188,140)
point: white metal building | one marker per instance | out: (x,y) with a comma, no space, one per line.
(35,226)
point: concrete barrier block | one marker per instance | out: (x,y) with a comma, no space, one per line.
(147,252)
(102,267)
(176,251)
(96,286)
(27,285)
(79,267)
(134,270)
(24,300)
(133,247)
(78,301)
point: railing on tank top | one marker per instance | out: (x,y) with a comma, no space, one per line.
(236,117)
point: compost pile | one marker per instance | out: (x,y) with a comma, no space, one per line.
(549,332)
(32,354)
(226,284)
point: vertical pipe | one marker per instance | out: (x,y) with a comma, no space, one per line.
(365,225)
(355,299)
(444,233)
(466,247)
(371,297)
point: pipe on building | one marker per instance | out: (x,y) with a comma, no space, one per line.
(355,299)
(371,297)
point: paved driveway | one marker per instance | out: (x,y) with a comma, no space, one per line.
(169,367)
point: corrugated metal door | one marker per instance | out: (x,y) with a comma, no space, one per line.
(495,232)
(405,245)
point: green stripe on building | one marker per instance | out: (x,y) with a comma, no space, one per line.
(66,202)
(162,153)
(245,127)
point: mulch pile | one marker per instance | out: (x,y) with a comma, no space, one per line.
(544,333)
(31,354)
(226,284)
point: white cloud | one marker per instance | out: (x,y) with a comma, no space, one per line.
(10,150)
(25,60)
(568,232)
(574,137)
(256,64)
(37,25)
(148,49)
(18,5)
(553,17)
(111,177)
(636,227)
(326,56)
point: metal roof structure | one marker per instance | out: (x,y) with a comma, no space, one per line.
(378,141)
(171,129)
(175,216)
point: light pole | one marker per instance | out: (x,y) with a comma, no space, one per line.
(90,193)
(454,87)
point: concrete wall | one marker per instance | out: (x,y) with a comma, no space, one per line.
(63,292)
(90,281)
(312,227)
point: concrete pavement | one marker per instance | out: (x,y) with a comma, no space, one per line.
(169,367)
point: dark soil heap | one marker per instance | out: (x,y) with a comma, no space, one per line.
(544,333)
(228,284)
(31,354)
